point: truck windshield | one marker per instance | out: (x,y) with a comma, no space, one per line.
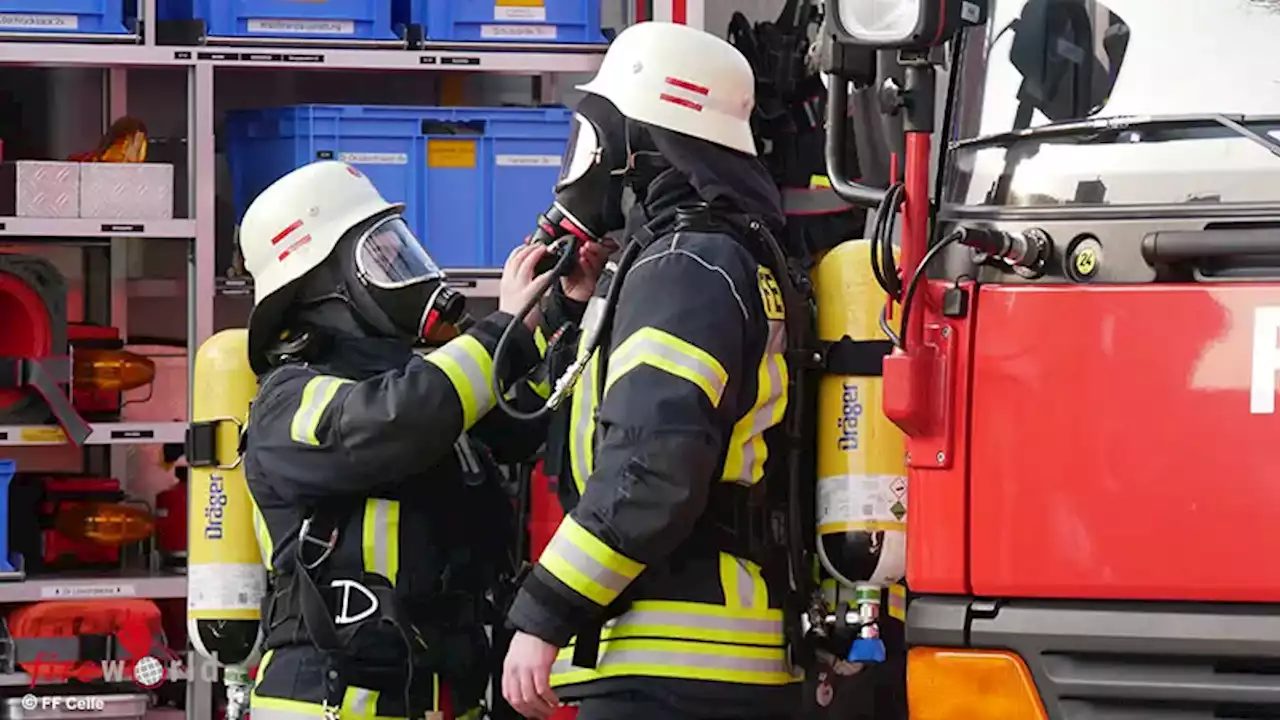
(1142,102)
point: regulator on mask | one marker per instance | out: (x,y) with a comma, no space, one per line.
(589,190)
(393,284)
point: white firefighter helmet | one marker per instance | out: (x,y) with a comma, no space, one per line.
(292,227)
(681,79)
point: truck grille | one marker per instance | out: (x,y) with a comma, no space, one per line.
(1124,660)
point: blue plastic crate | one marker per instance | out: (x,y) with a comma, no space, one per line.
(473,180)
(97,17)
(8,562)
(329,19)
(551,21)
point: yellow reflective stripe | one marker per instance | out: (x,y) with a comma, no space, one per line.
(582,422)
(680,659)
(898,602)
(266,547)
(380,538)
(743,585)
(541,387)
(664,351)
(470,370)
(316,396)
(586,564)
(359,703)
(747,451)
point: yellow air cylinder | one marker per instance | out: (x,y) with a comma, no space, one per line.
(227,578)
(862,484)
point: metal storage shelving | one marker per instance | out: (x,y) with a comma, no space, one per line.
(103,240)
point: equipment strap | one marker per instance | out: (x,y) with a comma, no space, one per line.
(856,358)
(813,201)
(330,618)
(44,375)
(72,649)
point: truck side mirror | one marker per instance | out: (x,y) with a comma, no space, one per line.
(1069,54)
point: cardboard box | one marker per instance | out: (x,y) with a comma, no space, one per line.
(40,189)
(132,191)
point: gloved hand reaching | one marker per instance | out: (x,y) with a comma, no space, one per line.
(518,285)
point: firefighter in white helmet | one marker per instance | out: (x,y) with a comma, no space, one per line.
(660,595)
(383,520)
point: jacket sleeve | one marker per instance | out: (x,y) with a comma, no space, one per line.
(679,338)
(326,436)
(511,440)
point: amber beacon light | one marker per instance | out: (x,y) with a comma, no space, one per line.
(111,370)
(105,523)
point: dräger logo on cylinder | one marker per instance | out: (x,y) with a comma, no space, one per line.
(213,513)
(850,411)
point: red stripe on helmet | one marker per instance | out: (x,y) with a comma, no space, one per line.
(686,85)
(297,244)
(285,232)
(696,107)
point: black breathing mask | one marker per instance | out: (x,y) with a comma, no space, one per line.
(593,175)
(393,285)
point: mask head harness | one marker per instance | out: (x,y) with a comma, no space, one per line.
(387,281)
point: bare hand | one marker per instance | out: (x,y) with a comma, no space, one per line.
(580,284)
(526,676)
(518,285)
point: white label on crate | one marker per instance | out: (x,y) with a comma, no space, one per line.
(518,32)
(67,592)
(520,14)
(39,22)
(527,161)
(225,586)
(374,158)
(302,27)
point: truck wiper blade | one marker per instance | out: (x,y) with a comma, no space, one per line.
(1089,130)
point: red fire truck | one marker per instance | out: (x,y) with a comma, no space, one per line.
(1086,358)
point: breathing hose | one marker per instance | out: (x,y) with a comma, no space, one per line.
(598,332)
(568,256)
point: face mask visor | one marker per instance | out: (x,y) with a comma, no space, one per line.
(582,152)
(389,256)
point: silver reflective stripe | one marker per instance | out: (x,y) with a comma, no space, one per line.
(674,618)
(316,396)
(359,700)
(378,553)
(746,584)
(671,658)
(584,396)
(270,713)
(466,457)
(761,419)
(635,351)
(563,547)
(465,355)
